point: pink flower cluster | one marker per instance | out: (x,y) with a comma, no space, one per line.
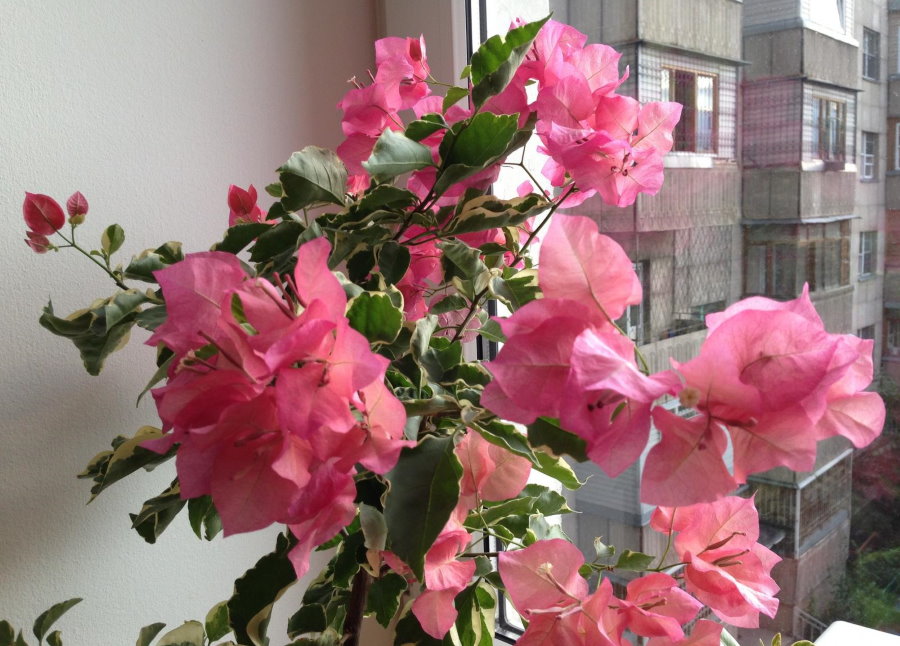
(242,206)
(272,397)
(545,587)
(768,374)
(607,143)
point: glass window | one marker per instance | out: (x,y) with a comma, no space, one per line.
(696,131)
(871,54)
(868,245)
(867,332)
(897,145)
(868,156)
(893,336)
(829,126)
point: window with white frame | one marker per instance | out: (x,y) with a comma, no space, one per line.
(829,14)
(696,130)
(868,156)
(868,243)
(871,54)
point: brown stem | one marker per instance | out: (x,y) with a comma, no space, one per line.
(356,607)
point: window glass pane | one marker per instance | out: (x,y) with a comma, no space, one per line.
(705,108)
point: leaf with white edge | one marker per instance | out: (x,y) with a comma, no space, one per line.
(48,617)
(373,315)
(190,633)
(496,61)
(312,175)
(204,518)
(149,633)
(491,331)
(145,263)
(127,457)
(517,290)
(603,550)
(558,469)
(256,592)
(508,437)
(488,212)
(374,528)
(55,639)
(217,621)
(427,125)
(158,513)
(449,304)
(112,239)
(727,640)
(395,154)
(454,94)
(479,142)
(459,259)
(384,597)
(635,561)
(424,491)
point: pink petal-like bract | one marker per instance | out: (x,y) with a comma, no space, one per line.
(77,205)
(580,264)
(543,575)
(42,214)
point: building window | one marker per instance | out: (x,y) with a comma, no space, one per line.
(867,332)
(830,14)
(893,336)
(897,145)
(868,156)
(696,131)
(871,54)
(829,126)
(868,246)
(636,319)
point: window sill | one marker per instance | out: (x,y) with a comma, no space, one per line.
(868,180)
(865,278)
(871,80)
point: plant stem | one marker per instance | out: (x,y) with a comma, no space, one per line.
(109,272)
(359,591)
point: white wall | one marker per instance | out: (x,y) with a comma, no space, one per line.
(151,109)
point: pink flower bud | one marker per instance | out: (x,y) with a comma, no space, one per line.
(38,243)
(77,206)
(241,201)
(42,214)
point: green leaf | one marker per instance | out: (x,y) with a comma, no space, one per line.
(516,290)
(545,431)
(558,469)
(152,317)
(48,617)
(488,212)
(94,348)
(204,518)
(498,58)
(20,641)
(256,592)
(454,94)
(217,621)
(428,125)
(449,304)
(373,315)
(603,550)
(55,639)
(491,331)
(725,639)
(395,154)
(240,235)
(145,263)
(310,618)
(374,528)
(7,634)
(148,633)
(275,190)
(459,259)
(384,597)
(126,457)
(546,501)
(424,491)
(481,141)
(190,633)
(157,513)
(312,175)
(393,261)
(409,631)
(475,621)
(636,561)
(507,436)
(112,239)
(283,237)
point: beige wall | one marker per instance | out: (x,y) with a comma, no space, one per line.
(151,110)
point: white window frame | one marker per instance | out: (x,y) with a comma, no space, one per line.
(868,247)
(868,155)
(897,145)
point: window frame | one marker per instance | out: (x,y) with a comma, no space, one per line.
(871,54)
(829,129)
(868,254)
(688,142)
(868,156)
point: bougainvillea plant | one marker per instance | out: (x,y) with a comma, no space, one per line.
(313,372)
